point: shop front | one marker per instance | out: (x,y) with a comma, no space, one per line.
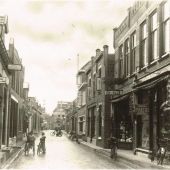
(122,122)
(149,116)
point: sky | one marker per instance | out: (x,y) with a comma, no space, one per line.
(56,38)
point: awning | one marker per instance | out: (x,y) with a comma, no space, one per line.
(120,98)
(150,84)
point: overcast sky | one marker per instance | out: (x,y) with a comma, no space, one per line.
(50,34)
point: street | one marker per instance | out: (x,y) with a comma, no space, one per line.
(63,153)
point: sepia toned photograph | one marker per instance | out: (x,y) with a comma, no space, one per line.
(84,84)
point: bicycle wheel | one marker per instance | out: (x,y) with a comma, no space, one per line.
(115,154)
(38,150)
(26,149)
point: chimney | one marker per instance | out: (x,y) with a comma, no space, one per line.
(114,32)
(11,48)
(106,49)
(98,52)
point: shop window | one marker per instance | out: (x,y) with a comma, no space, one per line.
(125,131)
(144,60)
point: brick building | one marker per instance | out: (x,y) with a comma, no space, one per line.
(4,83)
(16,91)
(142,46)
(99,79)
(82,90)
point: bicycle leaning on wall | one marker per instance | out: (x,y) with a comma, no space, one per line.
(162,150)
(113,146)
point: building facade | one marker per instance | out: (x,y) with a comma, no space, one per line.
(81,100)
(99,78)
(4,84)
(59,114)
(141,76)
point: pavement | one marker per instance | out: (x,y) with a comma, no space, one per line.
(12,153)
(139,160)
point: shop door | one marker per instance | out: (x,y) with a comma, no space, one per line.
(139,131)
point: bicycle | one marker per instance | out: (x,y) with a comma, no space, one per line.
(161,153)
(53,133)
(27,148)
(113,147)
(40,149)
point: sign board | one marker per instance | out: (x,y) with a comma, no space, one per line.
(141,109)
(114,92)
(15,67)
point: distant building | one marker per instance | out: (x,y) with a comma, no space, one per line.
(59,114)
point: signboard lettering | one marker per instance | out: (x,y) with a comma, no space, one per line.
(141,109)
(114,92)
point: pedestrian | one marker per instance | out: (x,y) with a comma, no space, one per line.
(42,142)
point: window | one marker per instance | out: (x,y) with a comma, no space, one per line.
(154,38)
(133,52)
(81,121)
(143,59)
(166,27)
(127,58)
(99,72)
(83,97)
(94,85)
(100,121)
(121,61)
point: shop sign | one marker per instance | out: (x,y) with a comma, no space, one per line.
(141,109)
(114,92)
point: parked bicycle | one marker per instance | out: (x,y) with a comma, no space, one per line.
(113,146)
(73,136)
(162,150)
(40,149)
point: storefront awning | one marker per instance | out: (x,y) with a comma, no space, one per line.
(120,98)
(150,84)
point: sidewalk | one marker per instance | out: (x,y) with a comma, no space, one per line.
(12,153)
(138,161)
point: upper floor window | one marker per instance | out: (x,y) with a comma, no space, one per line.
(121,61)
(133,52)
(99,72)
(94,85)
(89,82)
(143,56)
(127,58)
(166,27)
(154,37)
